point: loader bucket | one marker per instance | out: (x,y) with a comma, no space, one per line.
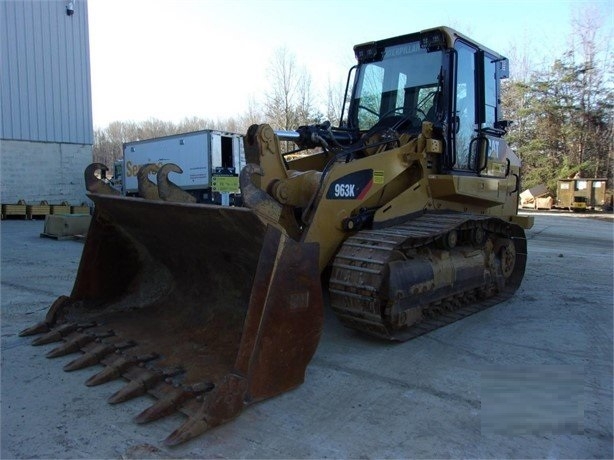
(203,307)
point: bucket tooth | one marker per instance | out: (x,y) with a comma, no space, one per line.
(97,354)
(55,335)
(111,372)
(193,427)
(36,329)
(139,385)
(90,358)
(132,390)
(221,405)
(114,371)
(50,317)
(165,406)
(71,346)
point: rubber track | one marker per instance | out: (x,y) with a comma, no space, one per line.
(360,267)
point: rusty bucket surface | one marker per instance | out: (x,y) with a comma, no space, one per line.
(204,307)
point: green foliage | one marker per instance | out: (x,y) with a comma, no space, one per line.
(563,119)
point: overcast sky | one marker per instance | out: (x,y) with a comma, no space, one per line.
(180,58)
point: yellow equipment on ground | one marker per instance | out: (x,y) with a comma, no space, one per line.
(407,214)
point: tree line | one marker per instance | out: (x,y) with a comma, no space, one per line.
(562,114)
(289,103)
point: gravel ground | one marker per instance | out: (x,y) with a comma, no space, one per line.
(528,378)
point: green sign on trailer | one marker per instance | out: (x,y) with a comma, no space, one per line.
(225,184)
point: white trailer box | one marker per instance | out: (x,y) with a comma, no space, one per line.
(198,154)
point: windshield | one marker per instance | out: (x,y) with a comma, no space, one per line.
(404,82)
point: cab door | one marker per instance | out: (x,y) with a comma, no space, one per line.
(479,147)
(464,106)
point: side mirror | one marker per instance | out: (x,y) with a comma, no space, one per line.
(503,124)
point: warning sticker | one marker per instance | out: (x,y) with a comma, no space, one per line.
(228,184)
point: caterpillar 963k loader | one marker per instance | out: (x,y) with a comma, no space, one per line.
(406,214)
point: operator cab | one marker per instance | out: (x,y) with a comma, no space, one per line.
(439,76)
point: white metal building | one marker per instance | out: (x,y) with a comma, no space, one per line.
(46,130)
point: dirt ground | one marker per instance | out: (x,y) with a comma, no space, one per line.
(528,378)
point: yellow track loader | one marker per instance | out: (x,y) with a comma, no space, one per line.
(406,213)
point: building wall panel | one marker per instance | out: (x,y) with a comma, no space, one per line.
(45,82)
(36,171)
